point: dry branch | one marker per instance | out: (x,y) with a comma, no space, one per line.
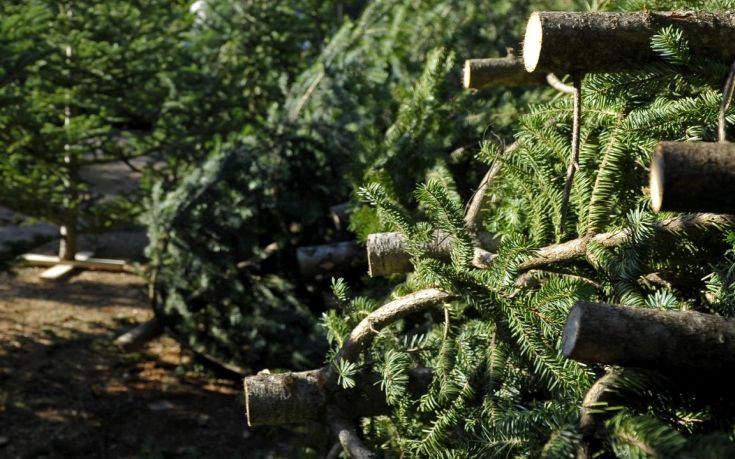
(330,258)
(592,413)
(611,42)
(693,177)
(648,338)
(297,397)
(385,315)
(500,71)
(473,213)
(577,248)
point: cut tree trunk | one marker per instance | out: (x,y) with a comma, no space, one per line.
(614,42)
(68,241)
(330,258)
(288,398)
(693,177)
(387,253)
(648,338)
(501,71)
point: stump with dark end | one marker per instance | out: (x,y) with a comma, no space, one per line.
(693,177)
(648,338)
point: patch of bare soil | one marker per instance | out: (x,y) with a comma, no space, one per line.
(66,391)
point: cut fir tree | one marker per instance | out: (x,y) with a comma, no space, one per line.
(501,386)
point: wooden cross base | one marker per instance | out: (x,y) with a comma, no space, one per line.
(62,268)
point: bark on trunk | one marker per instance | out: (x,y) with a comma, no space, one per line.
(693,177)
(288,398)
(387,252)
(330,258)
(648,338)
(613,42)
(68,241)
(501,71)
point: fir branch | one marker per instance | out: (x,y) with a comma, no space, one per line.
(346,432)
(577,248)
(473,215)
(574,162)
(387,314)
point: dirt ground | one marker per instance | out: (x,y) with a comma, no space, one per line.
(67,391)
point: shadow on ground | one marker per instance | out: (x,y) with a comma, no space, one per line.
(66,391)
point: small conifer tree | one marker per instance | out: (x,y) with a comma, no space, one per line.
(74,106)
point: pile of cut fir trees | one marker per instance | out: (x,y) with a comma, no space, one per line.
(579,303)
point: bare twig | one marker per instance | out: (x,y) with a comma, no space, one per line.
(574,162)
(473,214)
(727,93)
(559,85)
(592,412)
(307,95)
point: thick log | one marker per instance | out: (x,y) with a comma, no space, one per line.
(330,258)
(289,398)
(648,338)
(387,253)
(507,72)
(693,177)
(614,42)
(140,335)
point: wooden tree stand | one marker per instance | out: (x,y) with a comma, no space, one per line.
(60,269)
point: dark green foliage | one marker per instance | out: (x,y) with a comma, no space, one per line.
(501,387)
(82,74)
(381,90)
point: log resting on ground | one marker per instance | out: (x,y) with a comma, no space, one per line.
(648,338)
(614,42)
(140,335)
(693,177)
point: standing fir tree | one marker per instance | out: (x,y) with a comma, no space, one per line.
(99,77)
